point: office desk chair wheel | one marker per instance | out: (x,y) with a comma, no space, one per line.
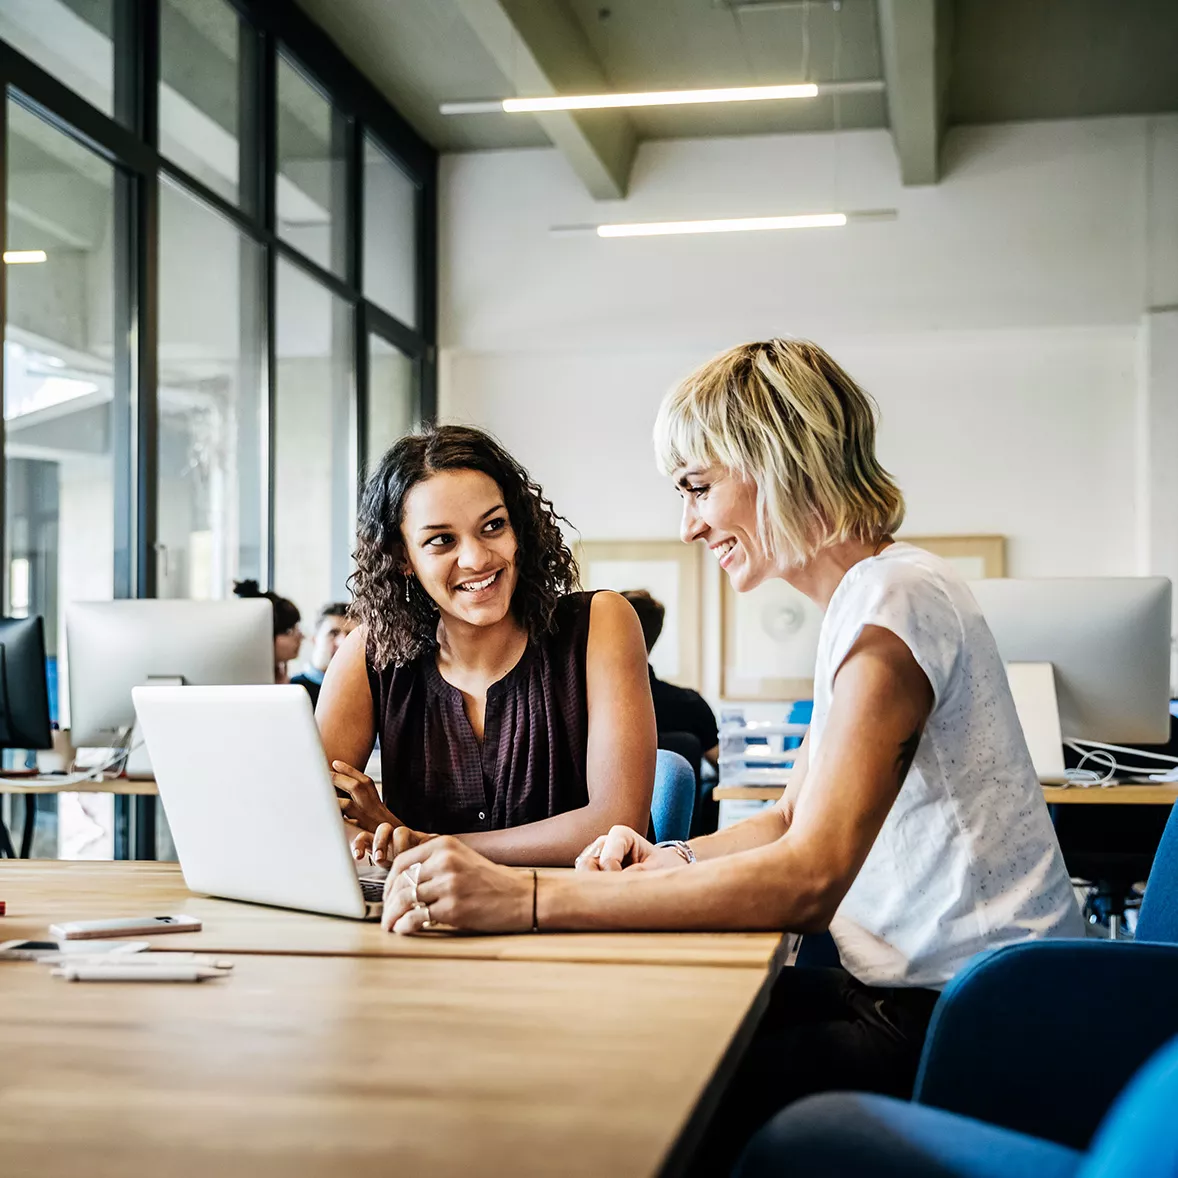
(1106,904)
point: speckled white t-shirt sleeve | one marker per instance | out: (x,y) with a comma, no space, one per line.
(915,609)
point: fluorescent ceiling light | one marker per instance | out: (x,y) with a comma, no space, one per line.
(727,224)
(556,102)
(24,257)
(658,98)
(731,225)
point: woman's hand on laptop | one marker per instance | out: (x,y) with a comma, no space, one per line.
(443,881)
(363,806)
(386,843)
(389,841)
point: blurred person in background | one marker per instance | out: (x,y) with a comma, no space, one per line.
(331,627)
(676,709)
(288,638)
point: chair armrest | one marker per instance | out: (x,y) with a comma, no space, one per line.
(1040,1037)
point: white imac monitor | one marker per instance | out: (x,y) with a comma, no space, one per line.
(1108,639)
(113,646)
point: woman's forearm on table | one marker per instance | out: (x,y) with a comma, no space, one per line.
(551,842)
(762,889)
(757,831)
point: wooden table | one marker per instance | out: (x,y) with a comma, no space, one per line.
(1117,795)
(136,787)
(301,1067)
(31,787)
(42,892)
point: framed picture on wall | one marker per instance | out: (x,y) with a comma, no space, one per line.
(768,642)
(669,571)
(769,637)
(975,557)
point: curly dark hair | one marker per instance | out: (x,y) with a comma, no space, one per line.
(399,630)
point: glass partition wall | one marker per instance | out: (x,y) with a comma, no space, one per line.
(218,302)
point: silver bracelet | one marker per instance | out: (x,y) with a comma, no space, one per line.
(678,845)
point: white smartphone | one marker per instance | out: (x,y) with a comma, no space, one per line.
(126,926)
(51,950)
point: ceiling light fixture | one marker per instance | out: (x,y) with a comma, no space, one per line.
(24,257)
(729,224)
(557,102)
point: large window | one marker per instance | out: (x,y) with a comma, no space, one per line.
(69,39)
(393,397)
(61,412)
(311,193)
(211,477)
(390,234)
(200,109)
(219,304)
(314,443)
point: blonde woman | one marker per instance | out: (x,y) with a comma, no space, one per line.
(913,827)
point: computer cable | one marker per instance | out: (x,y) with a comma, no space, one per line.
(1101,754)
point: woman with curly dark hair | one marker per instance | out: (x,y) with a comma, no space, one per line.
(512,711)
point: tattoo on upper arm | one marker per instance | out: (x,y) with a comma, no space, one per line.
(907,755)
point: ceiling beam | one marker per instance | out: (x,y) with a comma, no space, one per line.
(541,49)
(915,39)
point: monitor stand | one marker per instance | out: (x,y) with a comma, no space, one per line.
(138,765)
(1037,705)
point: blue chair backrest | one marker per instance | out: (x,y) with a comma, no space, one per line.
(1158,920)
(674,796)
(1139,1136)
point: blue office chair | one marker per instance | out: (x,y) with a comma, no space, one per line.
(994,1045)
(861,1136)
(674,796)
(1040,1037)
(1158,918)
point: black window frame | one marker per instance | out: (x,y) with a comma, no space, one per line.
(130,141)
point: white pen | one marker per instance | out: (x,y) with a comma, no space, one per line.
(121,973)
(138,961)
(151,961)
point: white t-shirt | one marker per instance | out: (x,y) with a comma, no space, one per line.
(967,857)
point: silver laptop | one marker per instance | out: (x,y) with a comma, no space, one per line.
(248,795)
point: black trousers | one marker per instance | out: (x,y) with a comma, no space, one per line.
(823,1030)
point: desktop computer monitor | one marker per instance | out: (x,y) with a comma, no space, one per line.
(113,646)
(24,696)
(1108,639)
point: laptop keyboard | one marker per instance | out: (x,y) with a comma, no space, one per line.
(372,890)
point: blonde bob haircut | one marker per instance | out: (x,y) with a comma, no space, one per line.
(785,416)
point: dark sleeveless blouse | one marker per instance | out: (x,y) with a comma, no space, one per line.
(531,765)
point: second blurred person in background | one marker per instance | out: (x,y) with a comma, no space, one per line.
(331,628)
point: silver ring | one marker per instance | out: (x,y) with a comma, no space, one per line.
(427,923)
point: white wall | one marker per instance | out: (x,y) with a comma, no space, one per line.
(997,320)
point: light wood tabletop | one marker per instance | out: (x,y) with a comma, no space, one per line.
(43,892)
(300,1067)
(136,787)
(1161,794)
